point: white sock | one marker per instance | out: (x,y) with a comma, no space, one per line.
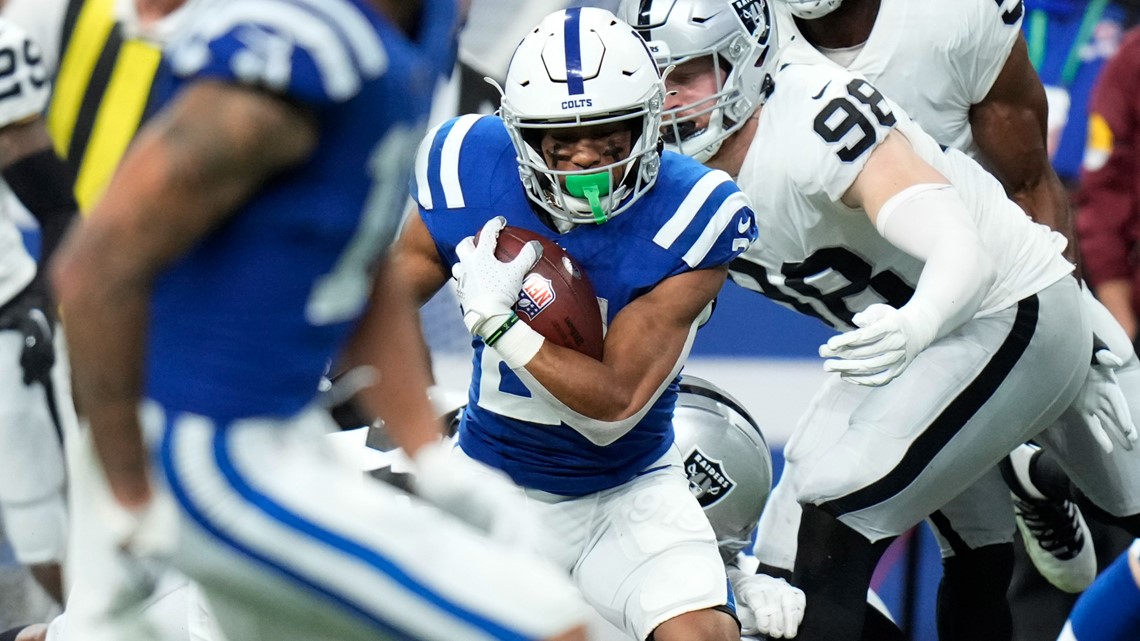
(1020,458)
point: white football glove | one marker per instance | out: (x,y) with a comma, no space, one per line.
(885,343)
(769,606)
(487,287)
(1101,404)
(476,493)
(148,532)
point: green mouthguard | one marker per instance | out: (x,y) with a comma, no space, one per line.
(591,187)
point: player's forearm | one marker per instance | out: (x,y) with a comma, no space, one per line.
(604,402)
(931,223)
(645,347)
(587,386)
(398,393)
(1116,295)
(106,325)
(1009,126)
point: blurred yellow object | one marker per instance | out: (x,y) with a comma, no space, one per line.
(1100,143)
(100,95)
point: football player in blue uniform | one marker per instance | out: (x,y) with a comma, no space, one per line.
(237,251)
(1110,609)
(590,441)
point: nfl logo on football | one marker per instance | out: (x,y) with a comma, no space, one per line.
(537,294)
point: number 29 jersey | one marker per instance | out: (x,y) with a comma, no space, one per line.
(246,322)
(692,218)
(822,258)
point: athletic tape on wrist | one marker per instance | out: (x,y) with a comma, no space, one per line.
(518,345)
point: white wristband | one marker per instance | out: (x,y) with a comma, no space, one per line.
(519,345)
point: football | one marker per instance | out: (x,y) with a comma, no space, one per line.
(557,299)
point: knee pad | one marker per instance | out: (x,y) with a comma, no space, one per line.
(37,531)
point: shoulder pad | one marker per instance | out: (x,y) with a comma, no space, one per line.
(313,52)
(456,161)
(707,220)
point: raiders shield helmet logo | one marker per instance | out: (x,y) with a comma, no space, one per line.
(707,479)
(751,13)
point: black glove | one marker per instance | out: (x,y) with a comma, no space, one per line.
(30,314)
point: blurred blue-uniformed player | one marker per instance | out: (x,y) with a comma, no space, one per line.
(237,251)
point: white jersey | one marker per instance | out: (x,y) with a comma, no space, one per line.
(936,58)
(822,258)
(43,21)
(24,90)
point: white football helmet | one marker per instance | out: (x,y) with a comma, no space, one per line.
(726,459)
(582,67)
(811,9)
(739,35)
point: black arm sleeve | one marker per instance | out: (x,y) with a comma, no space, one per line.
(45,185)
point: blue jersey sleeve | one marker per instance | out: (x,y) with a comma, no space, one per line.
(729,231)
(711,221)
(315,56)
(465,171)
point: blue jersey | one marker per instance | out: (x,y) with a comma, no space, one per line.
(246,322)
(692,218)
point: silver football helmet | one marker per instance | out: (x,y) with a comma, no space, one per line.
(739,36)
(811,9)
(581,67)
(726,459)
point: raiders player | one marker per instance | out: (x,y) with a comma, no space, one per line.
(36,402)
(943,287)
(994,109)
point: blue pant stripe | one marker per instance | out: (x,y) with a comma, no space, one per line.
(295,522)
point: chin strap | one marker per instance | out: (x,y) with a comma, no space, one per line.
(591,187)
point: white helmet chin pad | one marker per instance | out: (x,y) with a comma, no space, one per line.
(739,38)
(584,67)
(812,9)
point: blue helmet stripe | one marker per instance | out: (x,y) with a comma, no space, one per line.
(572,36)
